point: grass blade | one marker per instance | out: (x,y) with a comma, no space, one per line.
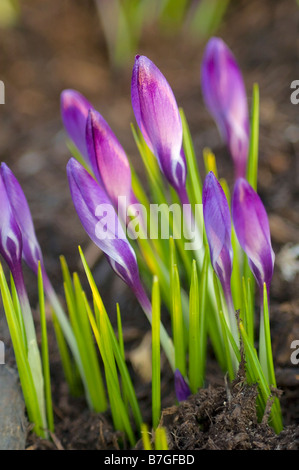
(45,352)
(156,370)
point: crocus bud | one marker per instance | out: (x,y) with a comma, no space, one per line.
(10,234)
(158,118)
(253,231)
(31,249)
(225,97)
(108,159)
(74,112)
(182,389)
(218,229)
(99,219)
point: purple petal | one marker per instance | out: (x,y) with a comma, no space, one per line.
(253,231)
(10,234)
(218,228)
(158,118)
(74,112)
(182,389)
(19,206)
(101,223)
(225,97)
(108,159)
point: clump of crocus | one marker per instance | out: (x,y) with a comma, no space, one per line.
(159,120)
(161,126)
(225,97)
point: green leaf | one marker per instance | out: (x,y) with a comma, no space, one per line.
(25,374)
(252,167)
(45,352)
(146,437)
(195,379)
(156,364)
(161,439)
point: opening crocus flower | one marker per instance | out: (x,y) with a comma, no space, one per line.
(74,112)
(225,97)
(182,389)
(158,118)
(253,232)
(108,159)
(100,221)
(218,229)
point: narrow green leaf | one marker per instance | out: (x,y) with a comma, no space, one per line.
(178,326)
(252,167)
(146,437)
(45,352)
(156,370)
(193,171)
(69,367)
(195,380)
(161,439)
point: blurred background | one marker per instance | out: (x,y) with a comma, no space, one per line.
(90,45)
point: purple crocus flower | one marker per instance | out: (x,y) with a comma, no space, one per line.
(108,159)
(10,233)
(100,221)
(74,112)
(18,240)
(158,118)
(225,97)
(31,251)
(253,231)
(218,228)
(182,389)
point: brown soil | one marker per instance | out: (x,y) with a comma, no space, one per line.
(60,45)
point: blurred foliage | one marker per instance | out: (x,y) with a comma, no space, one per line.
(124,20)
(9,13)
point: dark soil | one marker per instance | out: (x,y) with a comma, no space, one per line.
(60,45)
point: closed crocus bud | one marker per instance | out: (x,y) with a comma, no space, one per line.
(99,219)
(225,97)
(182,389)
(31,250)
(158,118)
(218,229)
(74,112)
(108,159)
(10,233)
(252,229)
